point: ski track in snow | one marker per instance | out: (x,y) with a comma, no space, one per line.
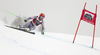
(49,37)
(18,44)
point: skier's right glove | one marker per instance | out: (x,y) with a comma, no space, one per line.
(42,32)
(25,20)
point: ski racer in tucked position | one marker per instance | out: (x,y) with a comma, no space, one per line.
(34,22)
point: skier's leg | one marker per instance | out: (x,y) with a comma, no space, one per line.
(32,26)
(25,26)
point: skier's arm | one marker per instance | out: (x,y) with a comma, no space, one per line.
(42,32)
(30,18)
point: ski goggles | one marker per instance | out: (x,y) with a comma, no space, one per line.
(41,17)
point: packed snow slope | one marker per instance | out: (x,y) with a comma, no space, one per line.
(15,42)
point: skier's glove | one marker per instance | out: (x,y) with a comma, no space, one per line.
(42,32)
(25,20)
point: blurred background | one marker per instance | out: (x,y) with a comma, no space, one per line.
(62,16)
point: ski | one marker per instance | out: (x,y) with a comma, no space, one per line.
(20,29)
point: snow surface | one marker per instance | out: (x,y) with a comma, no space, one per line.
(15,42)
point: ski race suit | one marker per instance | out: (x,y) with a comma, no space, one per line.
(32,24)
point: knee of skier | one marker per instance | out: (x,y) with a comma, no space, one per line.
(32,28)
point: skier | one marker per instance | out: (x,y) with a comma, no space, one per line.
(35,22)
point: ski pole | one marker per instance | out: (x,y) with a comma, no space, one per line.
(12,14)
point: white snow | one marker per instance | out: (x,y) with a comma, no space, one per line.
(15,42)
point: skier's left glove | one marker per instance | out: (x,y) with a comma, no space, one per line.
(42,32)
(25,20)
